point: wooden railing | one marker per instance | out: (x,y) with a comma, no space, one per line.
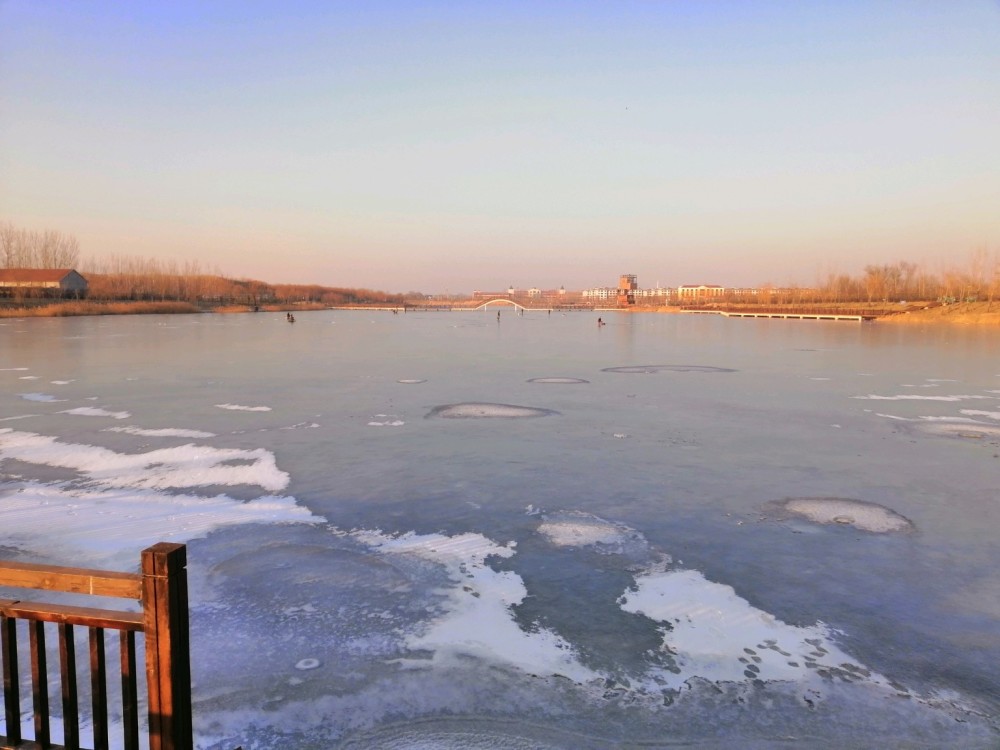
(161,587)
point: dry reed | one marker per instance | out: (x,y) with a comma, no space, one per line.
(67,309)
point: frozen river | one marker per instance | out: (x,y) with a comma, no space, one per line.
(445,530)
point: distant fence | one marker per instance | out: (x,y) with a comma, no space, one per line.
(161,587)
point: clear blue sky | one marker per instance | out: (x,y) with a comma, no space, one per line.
(449,146)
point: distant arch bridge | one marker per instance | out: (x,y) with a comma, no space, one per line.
(500,302)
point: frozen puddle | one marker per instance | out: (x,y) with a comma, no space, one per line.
(860,514)
(477,410)
(650,369)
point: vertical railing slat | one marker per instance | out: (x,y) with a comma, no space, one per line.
(70,702)
(39,682)
(99,689)
(11,683)
(130,700)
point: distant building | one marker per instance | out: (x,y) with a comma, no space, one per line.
(658,292)
(700,292)
(42,282)
(601,293)
(627,287)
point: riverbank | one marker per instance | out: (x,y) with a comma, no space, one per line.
(960,313)
(76,308)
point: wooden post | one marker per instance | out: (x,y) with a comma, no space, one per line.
(168,663)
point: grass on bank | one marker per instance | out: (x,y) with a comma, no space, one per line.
(74,308)
(71,308)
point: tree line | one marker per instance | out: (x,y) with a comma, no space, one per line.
(26,248)
(128,278)
(131,278)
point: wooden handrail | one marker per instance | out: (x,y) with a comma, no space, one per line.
(161,587)
(71,580)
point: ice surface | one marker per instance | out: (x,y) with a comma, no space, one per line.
(384,602)
(42,397)
(558,381)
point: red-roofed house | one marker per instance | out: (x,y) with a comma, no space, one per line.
(42,282)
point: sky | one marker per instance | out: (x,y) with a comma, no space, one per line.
(452,146)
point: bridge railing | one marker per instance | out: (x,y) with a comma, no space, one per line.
(161,588)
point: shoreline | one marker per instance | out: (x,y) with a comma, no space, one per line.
(978,314)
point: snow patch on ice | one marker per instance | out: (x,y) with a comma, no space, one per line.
(862,515)
(478,410)
(238,407)
(92,411)
(112,525)
(915,397)
(581,529)
(977,413)
(183,466)
(165,432)
(477,619)
(717,635)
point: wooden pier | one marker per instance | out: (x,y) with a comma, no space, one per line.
(794,313)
